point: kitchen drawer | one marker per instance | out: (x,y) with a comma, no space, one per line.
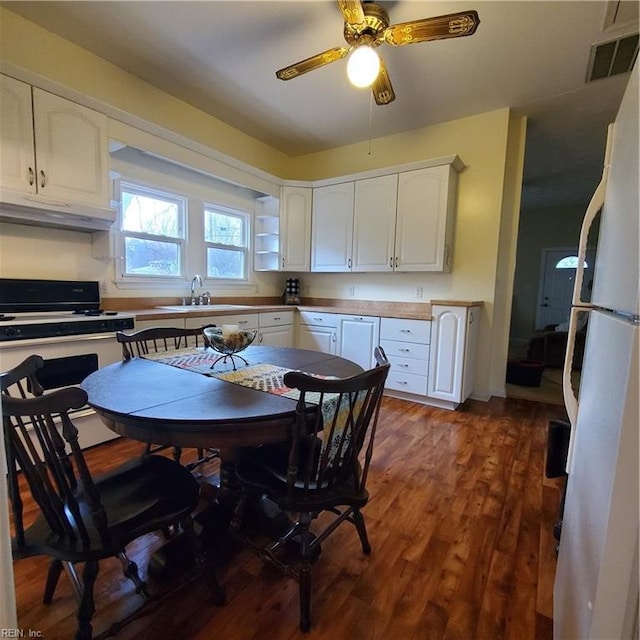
(244,321)
(407,382)
(275,318)
(319,318)
(395,348)
(409,365)
(406,330)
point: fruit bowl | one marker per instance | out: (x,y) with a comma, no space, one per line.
(228,341)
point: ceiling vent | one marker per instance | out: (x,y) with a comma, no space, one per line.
(613,57)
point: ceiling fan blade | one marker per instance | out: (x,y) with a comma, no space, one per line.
(352,11)
(381,87)
(319,60)
(452,25)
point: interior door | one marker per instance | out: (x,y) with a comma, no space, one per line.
(558,275)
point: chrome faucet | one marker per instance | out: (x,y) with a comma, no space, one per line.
(195,282)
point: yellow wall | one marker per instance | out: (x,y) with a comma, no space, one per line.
(481,142)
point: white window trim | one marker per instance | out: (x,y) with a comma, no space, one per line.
(193,254)
(245,249)
(143,188)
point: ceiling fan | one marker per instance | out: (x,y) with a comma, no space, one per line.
(366,26)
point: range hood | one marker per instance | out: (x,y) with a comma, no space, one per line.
(35,210)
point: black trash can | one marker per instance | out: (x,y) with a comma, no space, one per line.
(526,373)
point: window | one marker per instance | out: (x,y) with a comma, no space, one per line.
(570,262)
(225,236)
(153,227)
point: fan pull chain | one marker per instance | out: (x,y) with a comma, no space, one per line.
(370,119)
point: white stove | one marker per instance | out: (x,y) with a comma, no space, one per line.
(25,326)
(62,322)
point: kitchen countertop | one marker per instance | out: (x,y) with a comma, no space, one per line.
(408,310)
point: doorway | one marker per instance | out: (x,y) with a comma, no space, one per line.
(556,282)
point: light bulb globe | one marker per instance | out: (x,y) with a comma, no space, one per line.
(363,66)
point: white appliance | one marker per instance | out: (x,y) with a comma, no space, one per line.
(61,321)
(596,587)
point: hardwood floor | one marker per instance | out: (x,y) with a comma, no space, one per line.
(460,520)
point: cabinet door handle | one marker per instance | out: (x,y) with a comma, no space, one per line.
(396,262)
(242,321)
(405,350)
(32,177)
(349,263)
(283,263)
(402,382)
(391,262)
(333,337)
(276,318)
(405,330)
(42,178)
(403,364)
(261,338)
(318,319)
(471,318)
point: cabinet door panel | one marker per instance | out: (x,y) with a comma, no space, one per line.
(295,229)
(317,339)
(421,225)
(374,222)
(359,336)
(332,227)
(447,353)
(17,169)
(71,150)
(276,336)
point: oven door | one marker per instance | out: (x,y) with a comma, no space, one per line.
(68,360)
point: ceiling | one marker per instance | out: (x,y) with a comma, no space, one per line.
(221,56)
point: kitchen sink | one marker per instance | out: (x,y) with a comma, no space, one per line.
(205,307)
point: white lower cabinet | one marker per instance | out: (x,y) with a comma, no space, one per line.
(276,329)
(406,343)
(318,331)
(453,352)
(161,322)
(359,336)
(245,321)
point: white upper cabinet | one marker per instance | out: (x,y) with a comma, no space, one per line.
(374,221)
(55,151)
(395,222)
(332,227)
(425,219)
(283,231)
(295,228)
(17,168)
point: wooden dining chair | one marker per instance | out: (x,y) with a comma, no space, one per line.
(83,519)
(154,340)
(323,468)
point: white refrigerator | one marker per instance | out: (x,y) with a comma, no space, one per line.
(596,587)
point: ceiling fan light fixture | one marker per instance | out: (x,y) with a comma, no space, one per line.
(363,66)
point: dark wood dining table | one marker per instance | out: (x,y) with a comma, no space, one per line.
(153,402)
